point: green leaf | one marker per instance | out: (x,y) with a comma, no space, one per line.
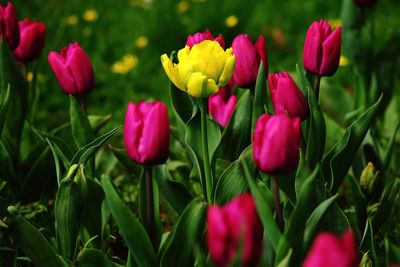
(360,203)
(90,257)
(390,148)
(232,181)
(367,242)
(316,131)
(294,230)
(316,216)
(236,136)
(81,129)
(98,122)
(264,211)
(86,152)
(339,159)
(4,104)
(260,96)
(177,250)
(132,231)
(31,241)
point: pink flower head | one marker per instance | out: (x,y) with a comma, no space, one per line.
(73,70)
(198,37)
(147,133)
(9,28)
(276,142)
(32,37)
(286,96)
(328,250)
(233,225)
(248,57)
(222,104)
(321,52)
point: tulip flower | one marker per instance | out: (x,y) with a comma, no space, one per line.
(328,250)
(235,228)
(321,52)
(146,132)
(222,104)
(248,57)
(32,37)
(276,142)
(73,70)
(365,3)
(287,97)
(202,69)
(198,37)
(9,28)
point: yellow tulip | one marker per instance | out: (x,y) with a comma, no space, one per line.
(201,70)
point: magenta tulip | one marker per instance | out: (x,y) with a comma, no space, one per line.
(9,28)
(222,104)
(248,57)
(287,97)
(365,3)
(73,70)
(321,52)
(276,142)
(198,37)
(233,225)
(32,37)
(146,132)
(328,250)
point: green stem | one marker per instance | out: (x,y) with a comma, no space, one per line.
(150,220)
(277,201)
(317,85)
(207,180)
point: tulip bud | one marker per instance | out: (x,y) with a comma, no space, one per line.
(235,228)
(328,250)
(73,70)
(248,58)
(321,54)
(276,142)
(202,69)
(32,37)
(368,177)
(146,132)
(222,104)
(365,3)
(198,37)
(287,97)
(9,28)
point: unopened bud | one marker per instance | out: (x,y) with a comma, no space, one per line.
(368,177)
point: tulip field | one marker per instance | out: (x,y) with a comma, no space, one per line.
(142,133)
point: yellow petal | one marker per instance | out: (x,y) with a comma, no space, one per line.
(197,84)
(172,72)
(227,72)
(212,87)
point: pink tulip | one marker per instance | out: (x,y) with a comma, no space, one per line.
(276,142)
(32,37)
(222,104)
(9,28)
(365,3)
(321,52)
(73,70)
(286,96)
(248,57)
(198,37)
(328,250)
(233,225)
(146,132)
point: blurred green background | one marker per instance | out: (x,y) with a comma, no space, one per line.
(125,39)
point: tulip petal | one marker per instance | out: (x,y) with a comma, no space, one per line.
(312,49)
(133,126)
(172,72)
(228,71)
(197,85)
(261,49)
(331,53)
(63,74)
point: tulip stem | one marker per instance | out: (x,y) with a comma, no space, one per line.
(317,84)
(207,180)
(277,201)
(150,220)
